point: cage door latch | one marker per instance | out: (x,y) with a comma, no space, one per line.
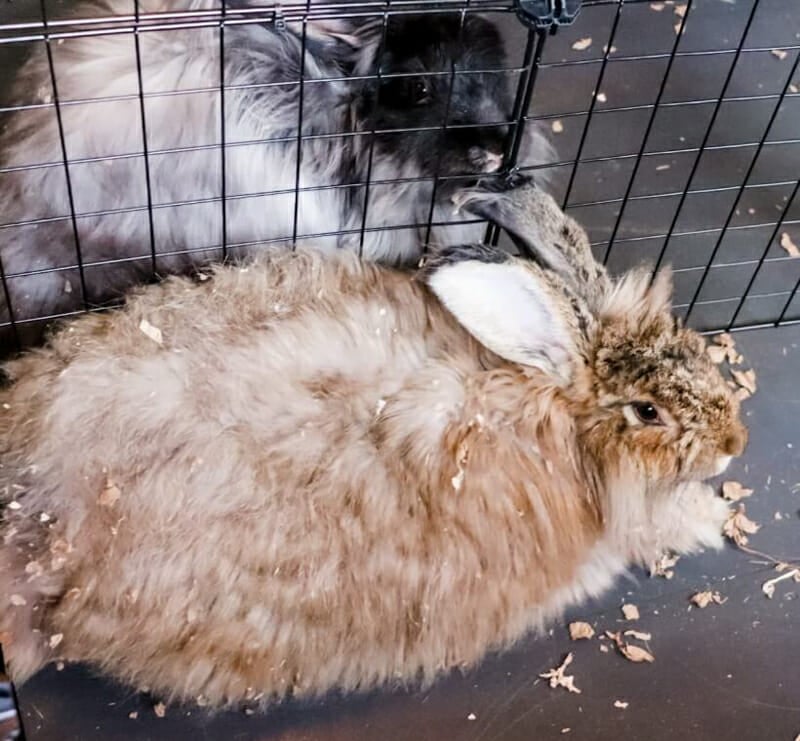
(544,14)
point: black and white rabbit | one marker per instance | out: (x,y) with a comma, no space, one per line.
(262,66)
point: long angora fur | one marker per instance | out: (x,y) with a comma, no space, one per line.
(262,66)
(313,472)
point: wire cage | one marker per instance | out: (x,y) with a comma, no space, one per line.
(675,127)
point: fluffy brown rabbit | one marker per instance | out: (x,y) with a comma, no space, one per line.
(313,472)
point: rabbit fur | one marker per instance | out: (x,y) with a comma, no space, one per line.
(262,66)
(324,473)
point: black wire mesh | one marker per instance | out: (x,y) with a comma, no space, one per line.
(676,127)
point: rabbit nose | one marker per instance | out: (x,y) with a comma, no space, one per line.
(485,160)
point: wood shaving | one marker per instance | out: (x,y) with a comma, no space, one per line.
(580,630)
(631,612)
(635,654)
(160,709)
(557,127)
(472,716)
(768,587)
(60,666)
(724,347)
(582,44)
(738,526)
(791,248)
(716,353)
(56,639)
(679,28)
(663,566)
(658,7)
(704,599)
(793,88)
(603,648)
(110,494)
(15,505)
(17,600)
(557,677)
(779,54)
(133,715)
(638,635)
(745,379)
(601,97)
(680,10)
(733,491)
(620,704)
(661,168)
(154,333)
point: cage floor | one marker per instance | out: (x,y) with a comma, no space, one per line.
(723,672)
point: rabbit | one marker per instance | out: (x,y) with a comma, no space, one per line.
(312,472)
(104,141)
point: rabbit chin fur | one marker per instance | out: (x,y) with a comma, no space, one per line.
(96,67)
(228,516)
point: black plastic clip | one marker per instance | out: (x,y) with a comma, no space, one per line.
(544,14)
(279,22)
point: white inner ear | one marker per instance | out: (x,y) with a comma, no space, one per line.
(510,310)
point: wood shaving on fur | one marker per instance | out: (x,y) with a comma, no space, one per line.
(580,630)
(663,566)
(724,348)
(110,494)
(738,526)
(631,612)
(17,600)
(704,599)
(154,333)
(582,44)
(557,678)
(791,248)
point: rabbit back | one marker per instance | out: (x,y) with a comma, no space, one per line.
(288,509)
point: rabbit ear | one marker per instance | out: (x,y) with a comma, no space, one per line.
(539,229)
(639,297)
(508,305)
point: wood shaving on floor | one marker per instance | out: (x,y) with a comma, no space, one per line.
(631,612)
(580,631)
(738,526)
(582,44)
(704,599)
(733,491)
(768,587)
(791,248)
(557,678)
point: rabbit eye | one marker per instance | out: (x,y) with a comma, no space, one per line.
(420,94)
(646,412)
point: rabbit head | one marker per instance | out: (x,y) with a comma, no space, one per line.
(649,403)
(433,54)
